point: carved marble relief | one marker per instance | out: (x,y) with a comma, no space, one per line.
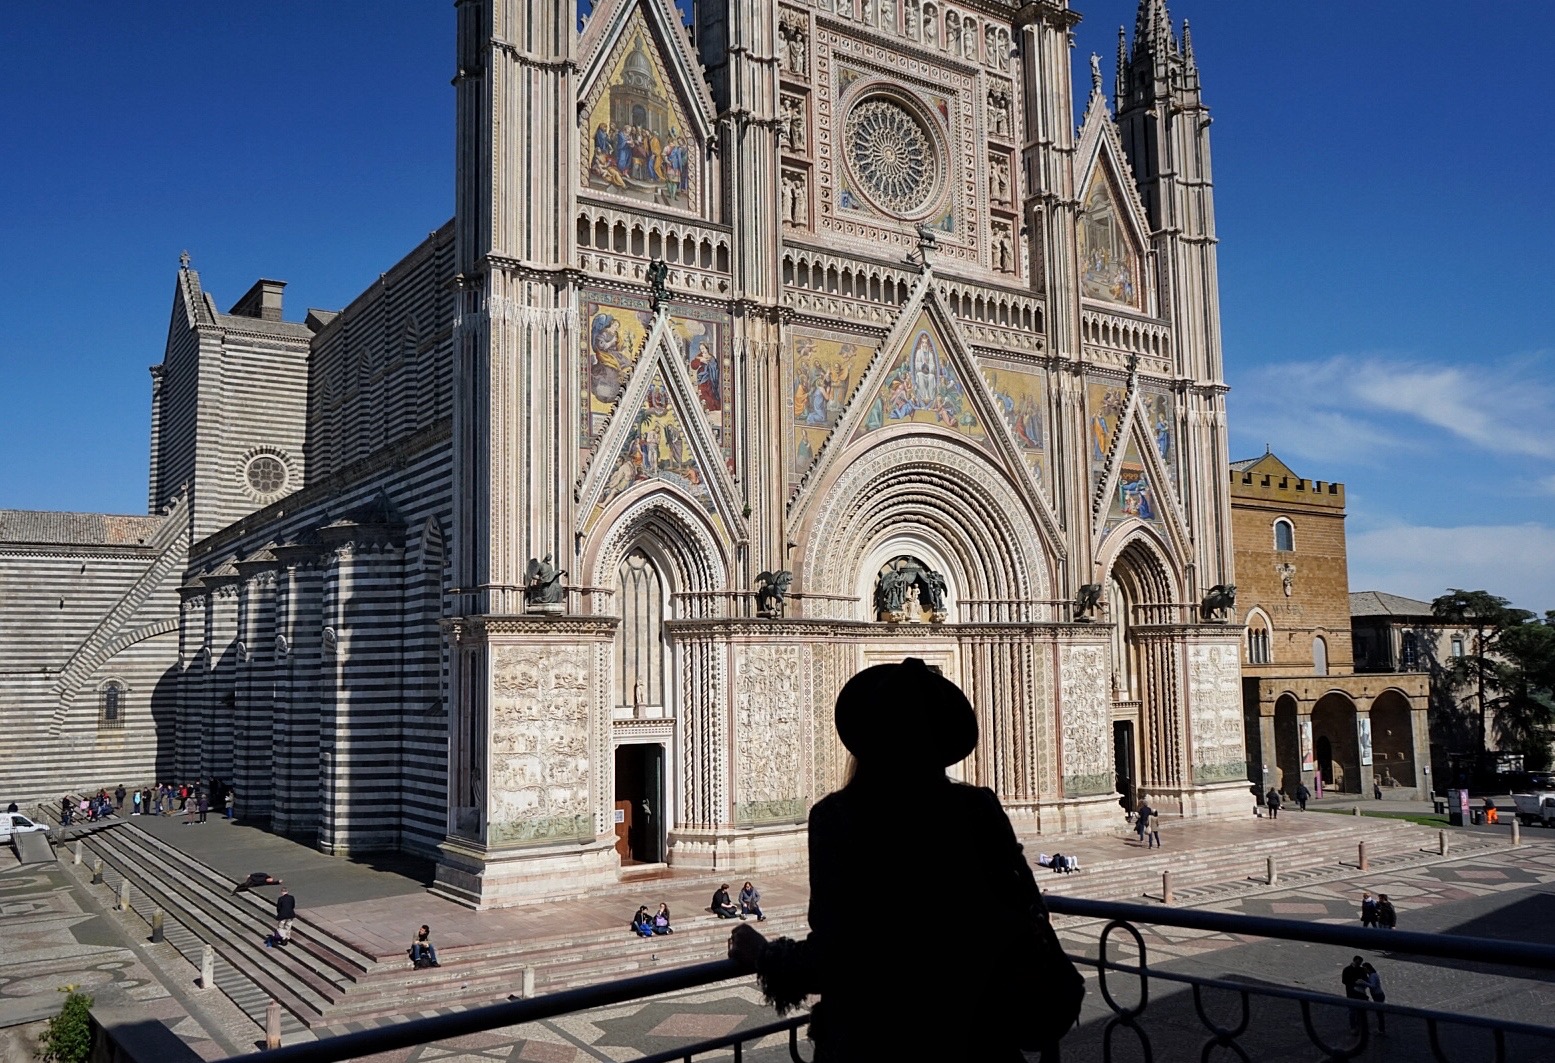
(1219,750)
(1087,712)
(768,717)
(542,776)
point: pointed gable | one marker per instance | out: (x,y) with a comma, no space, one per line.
(921,385)
(1135,494)
(641,133)
(657,446)
(1110,262)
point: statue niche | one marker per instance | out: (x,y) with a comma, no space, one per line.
(908,591)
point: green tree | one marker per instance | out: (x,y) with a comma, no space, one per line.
(1511,669)
(69,1036)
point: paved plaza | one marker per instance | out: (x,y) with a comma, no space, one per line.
(61,931)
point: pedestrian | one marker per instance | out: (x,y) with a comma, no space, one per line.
(1376,789)
(1272,799)
(156,800)
(285,912)
(750,902)
(231,800)
(1386,916)
(66,811)
(135,801)
(1142,820)
(205,806)
(1374,987)
(1355,988)
(189,811)
(1155,830)
(1368,909)
(905,724)
(1303,795)
(119,797)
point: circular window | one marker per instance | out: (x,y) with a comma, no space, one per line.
(267,474)
(892,155)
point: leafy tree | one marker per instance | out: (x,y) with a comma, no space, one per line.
(1512,669)
(69,1036)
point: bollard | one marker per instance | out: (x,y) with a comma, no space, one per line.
(1361,861)
(207,967)
(1517,832)
(124,895)
(1166,887)
(156,926)
(1441,842)
(78,852)
(529,983)
(1356,810)
(97,871)
(273,1025)
(1273,874)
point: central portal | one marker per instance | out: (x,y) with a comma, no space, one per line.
(639,804)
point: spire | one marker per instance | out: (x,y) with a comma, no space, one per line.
(1187,48)
(1153,27)
(1120,81)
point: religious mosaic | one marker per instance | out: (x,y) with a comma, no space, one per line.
(922,387)
(1022,398)
(637,140)
(1106,403)
(1109,265)
(1158,422)
(826,372)
(657,447)
(613,342)
(1134,495)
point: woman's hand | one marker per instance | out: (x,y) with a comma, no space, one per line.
(745,945)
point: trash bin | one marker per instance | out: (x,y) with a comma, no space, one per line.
(1475,815)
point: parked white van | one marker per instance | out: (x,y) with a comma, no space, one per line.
(16,823)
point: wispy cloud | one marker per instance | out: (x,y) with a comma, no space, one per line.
(1512,560)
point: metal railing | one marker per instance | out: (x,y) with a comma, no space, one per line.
(1148,1028)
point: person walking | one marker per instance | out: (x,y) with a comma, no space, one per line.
(231,799)
(1387,917)
(1374,987)
(1303,795)
(1142,820)
(1155,830)
(1354,981)
(1368,909)
(285,912)
(1272,800)
(905,724)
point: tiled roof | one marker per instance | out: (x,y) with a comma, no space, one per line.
(76,529)
(1380,603)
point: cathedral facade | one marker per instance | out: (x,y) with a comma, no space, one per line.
(767,342)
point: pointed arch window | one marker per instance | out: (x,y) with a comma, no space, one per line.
(1259,641)
(639,642)
(1319,656)
(110,706)
(1284,536)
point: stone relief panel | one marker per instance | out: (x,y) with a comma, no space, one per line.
(768,714)
(542,774)
(831,665)
(1087,712)
(1219,750)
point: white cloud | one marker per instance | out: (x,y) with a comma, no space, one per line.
(1515,561)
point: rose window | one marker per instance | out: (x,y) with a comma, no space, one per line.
(891,155)
(266,474)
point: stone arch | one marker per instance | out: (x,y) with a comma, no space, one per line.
(943,496)
(1260,637)
(1393,739)
(1287,745)
(1337,751)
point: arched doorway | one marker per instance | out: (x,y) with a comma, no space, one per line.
(1393,740)
(639,692)
(1287,747)
(1338,756)
(1138,592)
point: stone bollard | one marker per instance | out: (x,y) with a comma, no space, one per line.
(97,871)
(1272,874)
(1166,887)
(77,860)
(1361,861)
(1441,842)
(1356,810)
(273,1025)
(124,895)
(1517,832)
(156,926)
(207,967)
(528,983)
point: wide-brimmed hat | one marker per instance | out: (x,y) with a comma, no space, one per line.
(907,712)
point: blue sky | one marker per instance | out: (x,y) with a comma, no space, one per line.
(1382,193)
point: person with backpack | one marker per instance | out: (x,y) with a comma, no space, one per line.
(1272,800)
(1303,795)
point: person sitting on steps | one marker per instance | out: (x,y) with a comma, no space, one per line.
(721,906)
(642,922)
(661,920)
(750,902)
(422,952)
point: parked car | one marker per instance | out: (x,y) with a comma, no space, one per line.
(1537,807)
(16,823)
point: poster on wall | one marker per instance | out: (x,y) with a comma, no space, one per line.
(1306,745)
(1364,730)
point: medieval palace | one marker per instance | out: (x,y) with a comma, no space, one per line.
(766,343)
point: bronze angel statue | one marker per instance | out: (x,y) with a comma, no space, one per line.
(543,582)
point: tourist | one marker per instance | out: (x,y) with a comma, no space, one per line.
(1354,980)
(1272,799)
(661,920)
(135,803)
(642,922)
(230,801)
(1368,909)
(66,810)
(1374,987)
(1386,916)
(118,795)
(256,879)
(1142,820)
(1303,795)
(285,912)
(750,902)
(1376,789)
(905,724)
(721,906)
(205,805)
(422,952)
(1155,830)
